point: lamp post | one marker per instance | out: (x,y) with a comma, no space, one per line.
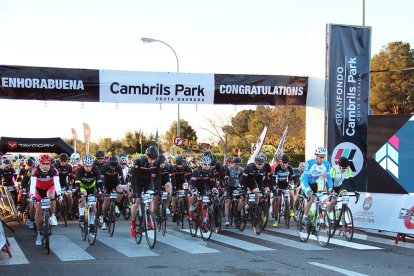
(149,40)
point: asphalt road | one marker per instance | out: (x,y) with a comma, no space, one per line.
(277,251)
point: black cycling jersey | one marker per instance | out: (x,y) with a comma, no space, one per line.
(88,179)
(166,173)
(202,180)
(254,177)
(64,171)
(282,176)
(7,176)
(24,177)
(112,175)
(181,175)
(97,164)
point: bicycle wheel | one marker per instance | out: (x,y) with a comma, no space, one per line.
(64,211)
(347,222)
(299,205)
(286,213)
(84,226)
(150,228)
(162,219)
(111,219)
(257,220)
(216,216)
(46,233)
(180,213)
(323,228)
(244,216)
(334,224)
(303,229)
(92,228)
(126,211)
(138,227)
(193,225)
(264,207)
(207,222)
(99,211)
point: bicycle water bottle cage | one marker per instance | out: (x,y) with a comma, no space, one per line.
(45,203)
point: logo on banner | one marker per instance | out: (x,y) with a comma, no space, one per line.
(408,216)
(352,153)
(367,203)
(12,144)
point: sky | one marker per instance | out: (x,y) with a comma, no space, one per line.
(268,37)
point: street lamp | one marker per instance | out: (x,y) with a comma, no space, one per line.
(149,40)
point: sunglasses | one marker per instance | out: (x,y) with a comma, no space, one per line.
(260,164)
(343,168)
(206,164)
(99,158)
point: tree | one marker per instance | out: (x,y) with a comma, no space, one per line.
(186,131)
(392,79)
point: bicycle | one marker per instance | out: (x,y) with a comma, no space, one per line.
(89,227)
(46,230)
(24,206)
(299,203)
(284,207)
(264,204)
(124,204)
(342,215)
(181,207)
(111,219)
(251,210)
(162,213)
(319,224)
(202,217)
(146,221)
(62,207)
(216,213)
(234,214)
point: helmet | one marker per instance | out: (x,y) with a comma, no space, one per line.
(162,158)
(205,160)
(30,162)
(113,161)
(100,154)
(321,151)
(87,159)
(260,158)
(214,161)
(75,155)
(179,160)
(209,154)
(169,159)
(123,160)
(230,159)
(6,162)
(44,158)
(152,152)
(237,160)
(63,157)
(285,158)
(343,162)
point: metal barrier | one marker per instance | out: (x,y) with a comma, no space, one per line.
(8,210)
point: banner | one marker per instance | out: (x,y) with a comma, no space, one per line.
(74,138)
(15,144)
(281,146)
(87,135)
(258,146)
(347,88)
(388,212)
(42,83)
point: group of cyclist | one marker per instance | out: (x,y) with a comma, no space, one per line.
(153,172)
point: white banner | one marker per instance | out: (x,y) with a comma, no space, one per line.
(158,88)
(389,212)
(258,146)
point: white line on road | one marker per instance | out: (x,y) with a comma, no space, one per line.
(127,246)
(67,250)
(18,256)
(337,269)
(185,245)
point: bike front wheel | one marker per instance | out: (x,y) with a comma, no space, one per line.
(303,228)
(92,228)
(150,228)
(323,228)
(207,221)
(111,219)
(347,222)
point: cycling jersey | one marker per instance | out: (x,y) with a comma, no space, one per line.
(24,178)
(88,180)
(64,171)
(338,177)
(282,176)
(41,182)
(314,173)
(112,177)
(7,176)
(144,175)
(180,176)
(165,174)
(233,176)
(202,180)
(254,177)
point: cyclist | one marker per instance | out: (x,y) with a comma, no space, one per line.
(65,169)
(75,158)
(7,178)
(181,175)
(282,175)
(44,182)
(229,162)
(201,180)
(24,179)
(339,173)
(316,171)
(123,162)
(112,173)
(193,163)
(253,177)
(144,173)
(232,181)
(88,180)
(100,159)
(163,182)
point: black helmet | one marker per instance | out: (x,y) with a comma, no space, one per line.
(285,158)
(179,160)
(113,161)
(63,157)
(6,161)
(343,162)
(237,160)
(162,158)
(260,158)
(31,162)
(152,152)
(214,161)
(100,154)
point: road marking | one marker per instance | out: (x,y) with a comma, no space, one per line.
(66,250)
(128,247)
(331,241)
(18,256)
(337,269)
(235,242)
(185,245)
(282,241)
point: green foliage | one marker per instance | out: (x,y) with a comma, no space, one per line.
(186,131)
(392,90)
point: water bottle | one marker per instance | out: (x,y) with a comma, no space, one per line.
(312,212)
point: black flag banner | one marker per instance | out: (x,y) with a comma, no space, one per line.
(44,83)
(347,88)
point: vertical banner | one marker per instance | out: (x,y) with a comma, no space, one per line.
(87,135)
(258,146)
(74,138)
(280,148)
(347,88)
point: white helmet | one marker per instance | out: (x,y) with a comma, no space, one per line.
(75,155)
(321,151)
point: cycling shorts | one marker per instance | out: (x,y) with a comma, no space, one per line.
(139,187)
(42,193)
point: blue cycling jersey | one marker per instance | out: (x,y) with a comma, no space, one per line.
(314,171)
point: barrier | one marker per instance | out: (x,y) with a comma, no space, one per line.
(8,210)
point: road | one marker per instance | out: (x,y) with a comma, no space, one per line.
(277,251)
